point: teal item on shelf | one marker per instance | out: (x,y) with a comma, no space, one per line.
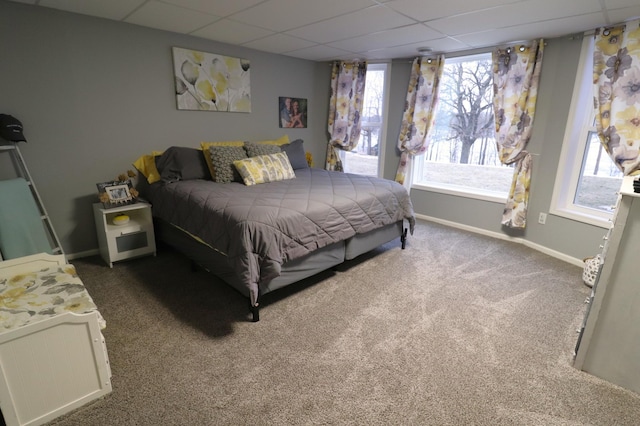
(22,231)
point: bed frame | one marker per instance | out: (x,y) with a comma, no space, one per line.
(292,271)
(52,366)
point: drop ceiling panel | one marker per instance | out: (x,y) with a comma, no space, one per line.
(441,45)
(384,29)
(279,43)
(421,11)
(218,8)
(531,31)
(352,25)
(112,9)
(283,15)
(411,50)
(229,31)
(394,37)
(513,14)
(322,53)
(168,17)
(624,14)
(616,4)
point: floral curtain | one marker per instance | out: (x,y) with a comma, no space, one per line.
(516,73)
(345,109)
(616,77)
(419,109)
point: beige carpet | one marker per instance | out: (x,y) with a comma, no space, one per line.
(458,329)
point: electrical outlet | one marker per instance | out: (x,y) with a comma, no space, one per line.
(542,219)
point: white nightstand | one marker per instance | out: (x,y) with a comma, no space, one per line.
(120,242)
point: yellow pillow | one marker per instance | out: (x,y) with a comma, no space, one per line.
(205,151)
(265,168)
(146,165)
(282,140)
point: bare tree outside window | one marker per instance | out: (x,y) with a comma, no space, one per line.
(466,97)
(463,156)
(462,149)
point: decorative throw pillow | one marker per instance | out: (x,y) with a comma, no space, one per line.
(296,154)
(182,163)
(265,168)
(222,159)
(280,141)
(207,157)
(146,166)
(253,149)
(590,271)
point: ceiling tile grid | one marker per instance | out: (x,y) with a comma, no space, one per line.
(370,29)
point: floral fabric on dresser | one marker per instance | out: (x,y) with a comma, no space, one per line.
(35,296)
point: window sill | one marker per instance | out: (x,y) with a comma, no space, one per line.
(583,216)
(459,191)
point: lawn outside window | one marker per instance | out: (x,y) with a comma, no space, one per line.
(587,181)
(462,157)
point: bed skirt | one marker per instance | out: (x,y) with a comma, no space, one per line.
(291,272)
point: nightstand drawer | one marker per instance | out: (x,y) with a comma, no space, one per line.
(131,241)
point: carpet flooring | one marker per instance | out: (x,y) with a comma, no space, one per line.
(457,329)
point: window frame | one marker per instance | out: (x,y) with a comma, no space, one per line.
(456,190)
(386,84)
(574,145)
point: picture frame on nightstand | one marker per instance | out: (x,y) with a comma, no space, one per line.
(117,194)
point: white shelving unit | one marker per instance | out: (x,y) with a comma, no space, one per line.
(22,172)
(121,242)
(609,342)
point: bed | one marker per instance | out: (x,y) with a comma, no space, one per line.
(263,236)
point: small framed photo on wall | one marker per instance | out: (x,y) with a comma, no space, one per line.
(293,112)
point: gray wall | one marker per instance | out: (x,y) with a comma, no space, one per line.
(94,95)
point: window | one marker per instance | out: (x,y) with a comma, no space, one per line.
(462,157)
(365,158)
(587,180)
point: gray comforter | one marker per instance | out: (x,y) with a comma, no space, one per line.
(262,226)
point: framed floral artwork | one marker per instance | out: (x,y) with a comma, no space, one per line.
(210,82)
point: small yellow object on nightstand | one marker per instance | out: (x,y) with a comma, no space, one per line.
(121,219)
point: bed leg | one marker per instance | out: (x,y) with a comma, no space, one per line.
(403,238)
(255,312)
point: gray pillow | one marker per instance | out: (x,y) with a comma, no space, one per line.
(295,152)
(182,163)
(222,158)
(254,149)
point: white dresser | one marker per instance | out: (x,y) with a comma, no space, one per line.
(53,356)
(609,342)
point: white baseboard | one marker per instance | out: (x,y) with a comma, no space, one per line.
(498,235)
(71,256)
